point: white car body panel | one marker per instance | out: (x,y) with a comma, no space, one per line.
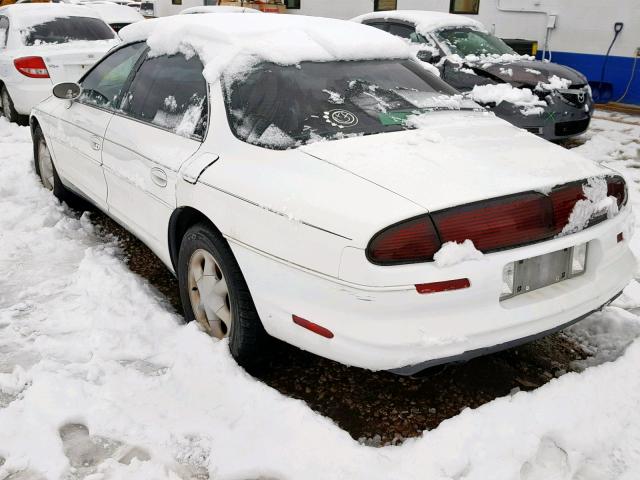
(78,149)
(298,222)
(66,62)
(389,328)
(144,173)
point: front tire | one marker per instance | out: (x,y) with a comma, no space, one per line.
(214,293)
(46,170)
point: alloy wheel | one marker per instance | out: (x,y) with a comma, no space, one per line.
(209,294)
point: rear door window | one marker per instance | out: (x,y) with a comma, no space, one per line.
(67,29)
(102,87)
(170,92)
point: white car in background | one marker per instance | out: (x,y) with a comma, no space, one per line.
(332,193)
(117,16)
(219,9)
(43,44)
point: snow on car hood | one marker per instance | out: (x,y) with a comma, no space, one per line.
(530,73)
(455,158)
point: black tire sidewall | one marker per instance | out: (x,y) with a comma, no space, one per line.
(247,333)
(59,190)
(4,94)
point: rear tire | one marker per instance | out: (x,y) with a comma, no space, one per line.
(46,170)
(8,110)
(214,293)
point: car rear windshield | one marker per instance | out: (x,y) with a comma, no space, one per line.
(286,106)
(466,41)
(67,29)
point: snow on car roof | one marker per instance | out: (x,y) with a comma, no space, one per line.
(219,9)
(115,13)
(425,21)
(29,14)
(231,43)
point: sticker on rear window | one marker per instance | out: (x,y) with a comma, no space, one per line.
(340,118)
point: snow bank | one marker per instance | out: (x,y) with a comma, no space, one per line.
(85,341)
(232,43)
(452,253)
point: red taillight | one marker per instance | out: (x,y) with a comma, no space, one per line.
(314,327)
(616,187)
(33,67)
(415,240)
(498,223)
(495,224)
(445,286)
(563,200)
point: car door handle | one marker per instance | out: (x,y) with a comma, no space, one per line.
(159,177)
(96,143)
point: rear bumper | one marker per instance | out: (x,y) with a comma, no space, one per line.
(412,369)
(28,94)
(395,328)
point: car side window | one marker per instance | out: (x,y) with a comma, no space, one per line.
(103,85)
(170,92)
(4,31)
(404,31)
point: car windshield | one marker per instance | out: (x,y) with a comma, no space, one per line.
(286,106)
(67,29)
(466,41)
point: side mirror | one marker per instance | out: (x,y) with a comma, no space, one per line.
(427,56)
(67,91)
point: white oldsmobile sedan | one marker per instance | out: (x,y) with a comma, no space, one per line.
(42,44)
(333,194)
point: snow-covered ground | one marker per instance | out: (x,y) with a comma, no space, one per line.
(100,380)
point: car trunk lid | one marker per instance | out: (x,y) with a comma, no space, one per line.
(68,62)
(456,158)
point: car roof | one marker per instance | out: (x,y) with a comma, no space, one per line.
(425,21)
(225,39)
(27,14)
(219,9)
(116,13)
